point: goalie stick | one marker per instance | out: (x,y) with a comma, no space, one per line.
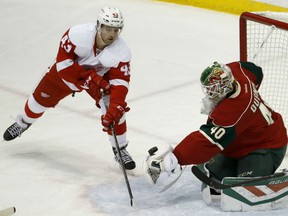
(8,211)
(214,183)
(119,152)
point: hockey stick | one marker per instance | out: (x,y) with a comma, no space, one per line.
(119,152)
(218,185)
(263,42)
(8,211)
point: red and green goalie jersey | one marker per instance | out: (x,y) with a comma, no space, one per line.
(238,125)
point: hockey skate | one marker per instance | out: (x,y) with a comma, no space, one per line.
(128,162)
(16,129)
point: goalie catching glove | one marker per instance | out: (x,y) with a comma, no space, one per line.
(158,166)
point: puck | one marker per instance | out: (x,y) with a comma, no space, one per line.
(152,150)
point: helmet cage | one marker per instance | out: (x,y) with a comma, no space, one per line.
(217,81)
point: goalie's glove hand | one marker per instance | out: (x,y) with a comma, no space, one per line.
(160,166)
(113,115)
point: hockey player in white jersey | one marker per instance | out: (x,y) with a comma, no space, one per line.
(91,57)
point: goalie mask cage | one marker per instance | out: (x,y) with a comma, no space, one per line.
(264,41)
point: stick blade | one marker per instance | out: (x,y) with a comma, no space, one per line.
(8,211)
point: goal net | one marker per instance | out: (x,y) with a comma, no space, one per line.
(264,41)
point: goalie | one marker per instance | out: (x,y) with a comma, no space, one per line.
(243,135)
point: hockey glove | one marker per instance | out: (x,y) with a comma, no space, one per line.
(93,82)
(94,92)
(158,167)
(113,115)
(101,83)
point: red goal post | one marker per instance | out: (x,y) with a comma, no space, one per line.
(264,41)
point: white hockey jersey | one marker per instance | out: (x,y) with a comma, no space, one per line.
(78,53)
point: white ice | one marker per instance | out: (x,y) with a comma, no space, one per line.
(63,165)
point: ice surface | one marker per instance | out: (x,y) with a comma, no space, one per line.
(63,165)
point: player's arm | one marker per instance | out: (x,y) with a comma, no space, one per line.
(66,65)
(73,74)
(195,149)
(119,78)
(200,146)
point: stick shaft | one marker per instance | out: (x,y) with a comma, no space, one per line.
(118,151)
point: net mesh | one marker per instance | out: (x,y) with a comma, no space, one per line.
(267,46)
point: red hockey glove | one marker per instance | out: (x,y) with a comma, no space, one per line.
(113,115)
(101,83)
(92,79)
(94,92)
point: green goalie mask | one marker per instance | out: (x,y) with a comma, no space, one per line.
(217,80)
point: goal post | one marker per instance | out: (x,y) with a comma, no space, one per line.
(264,41)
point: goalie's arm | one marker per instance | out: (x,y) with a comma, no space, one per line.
(195,149)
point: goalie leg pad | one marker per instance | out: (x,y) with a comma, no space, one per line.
(265,195)
(208,194)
